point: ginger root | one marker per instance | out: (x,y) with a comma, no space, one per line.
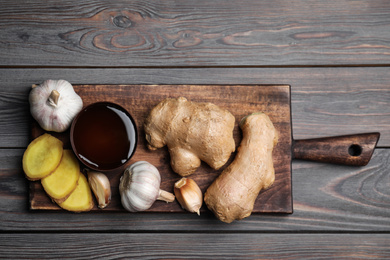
(80,199)
(58,169)
(42,157)
(193,132)
(232,195)
(63,180)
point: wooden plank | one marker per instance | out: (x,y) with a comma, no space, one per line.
(198,33)
(327,198)
(192,246)
(239,100)
(325,101)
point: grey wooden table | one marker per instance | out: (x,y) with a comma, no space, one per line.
(334,54)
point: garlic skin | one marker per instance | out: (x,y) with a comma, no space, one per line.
(139,187)
(100,185)
(54,104)
(189,195)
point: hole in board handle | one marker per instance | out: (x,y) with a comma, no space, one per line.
(355,150)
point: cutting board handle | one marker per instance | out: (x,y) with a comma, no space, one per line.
(353,150)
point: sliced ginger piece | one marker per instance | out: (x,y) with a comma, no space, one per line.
(80,199)
(63,180)
(42,157)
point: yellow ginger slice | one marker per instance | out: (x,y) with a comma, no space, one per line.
(63,180)
(42,157)
(80,199)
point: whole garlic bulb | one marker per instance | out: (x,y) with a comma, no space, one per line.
(54,104)
(139,187)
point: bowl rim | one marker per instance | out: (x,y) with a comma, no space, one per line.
(74,121)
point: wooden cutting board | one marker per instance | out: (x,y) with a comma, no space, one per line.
(240,100)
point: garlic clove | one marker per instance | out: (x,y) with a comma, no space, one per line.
(189,195)
(100,186)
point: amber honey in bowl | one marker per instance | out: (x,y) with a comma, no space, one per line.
(104,136)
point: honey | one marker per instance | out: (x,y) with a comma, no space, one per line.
(104,136)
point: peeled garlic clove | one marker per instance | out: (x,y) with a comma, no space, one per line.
(100,186)
(189,195)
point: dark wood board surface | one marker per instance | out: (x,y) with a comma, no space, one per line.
(198,246)
(151,33)
(334,54)
(274,100)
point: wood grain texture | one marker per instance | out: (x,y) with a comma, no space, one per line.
(325,101)
(334,54)
(194,246)
(239,100)
(353,150)
(202,33)
(326,198)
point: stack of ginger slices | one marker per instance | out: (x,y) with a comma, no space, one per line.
(59,172)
